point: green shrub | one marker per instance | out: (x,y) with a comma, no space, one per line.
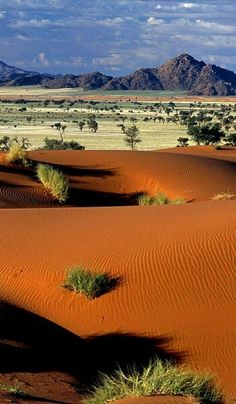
(55,144)
(92,284)
(54,181)
(159,199)
(157,378)
(16,155)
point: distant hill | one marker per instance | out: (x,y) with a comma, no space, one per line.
(179,73)
(13,76)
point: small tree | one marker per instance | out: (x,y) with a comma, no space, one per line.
(92,124)
(132,137)
(183,141)
(81,125)
(61,129)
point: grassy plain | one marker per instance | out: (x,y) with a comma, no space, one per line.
(35,123)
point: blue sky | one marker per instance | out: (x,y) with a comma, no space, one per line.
(115,36)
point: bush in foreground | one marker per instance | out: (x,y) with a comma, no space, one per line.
(91,284)
(16,155)
(159,199)
(54,181)
(157,378)
(15,389)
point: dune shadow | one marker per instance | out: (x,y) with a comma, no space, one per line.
(80,171)
(92,198)
(29,343)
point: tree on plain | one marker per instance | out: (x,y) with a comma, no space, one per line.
(132,137)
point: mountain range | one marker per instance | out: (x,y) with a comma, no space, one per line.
(180,73)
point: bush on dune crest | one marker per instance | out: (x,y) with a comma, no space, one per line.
(16,155)
(156,379)
(54,181)
(159,199)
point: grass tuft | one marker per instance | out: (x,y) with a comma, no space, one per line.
(16,389)
(54,181)
(91,284)
(222,196)
(16,155)
(159,199)
(157,378)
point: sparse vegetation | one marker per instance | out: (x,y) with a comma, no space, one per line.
(159,199)
(55,144)
(16,155)
(132,137)
(91,284)
(16,389)
(157,378)
(54,181)
(222,196)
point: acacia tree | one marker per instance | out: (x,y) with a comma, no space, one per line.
(61,129)
(132,137)
(183,142)
(206,134)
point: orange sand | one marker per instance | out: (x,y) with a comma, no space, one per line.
(176,263)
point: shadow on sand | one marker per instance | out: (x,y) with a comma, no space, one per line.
(29,343)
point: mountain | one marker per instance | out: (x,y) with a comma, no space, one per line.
(91,81)
(180,73)
(13,76)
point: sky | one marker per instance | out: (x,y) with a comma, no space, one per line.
(115,37)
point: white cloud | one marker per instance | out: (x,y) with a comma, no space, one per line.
(154,21)
(112,60)
(186,5)
(22,37)
(36,23)
(213,26)
(43,59)
(111,21)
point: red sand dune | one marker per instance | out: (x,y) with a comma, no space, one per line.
(176,263)
(101,178)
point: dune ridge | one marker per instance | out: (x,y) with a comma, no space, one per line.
(114,178)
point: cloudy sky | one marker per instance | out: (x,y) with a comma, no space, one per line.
(115,36)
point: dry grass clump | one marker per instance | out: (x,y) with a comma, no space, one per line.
(222,196)
(91,284)
(16,155)
(157,378)
(54,181)
(16,390)
(159,199)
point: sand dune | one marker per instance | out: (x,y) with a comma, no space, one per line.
(176,264)
(107,178)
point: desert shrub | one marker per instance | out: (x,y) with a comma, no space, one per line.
(54,181)
(223,196)
(16,155)
(156,379)
(159,199)
(55,144)
(15,389)
(91,284)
